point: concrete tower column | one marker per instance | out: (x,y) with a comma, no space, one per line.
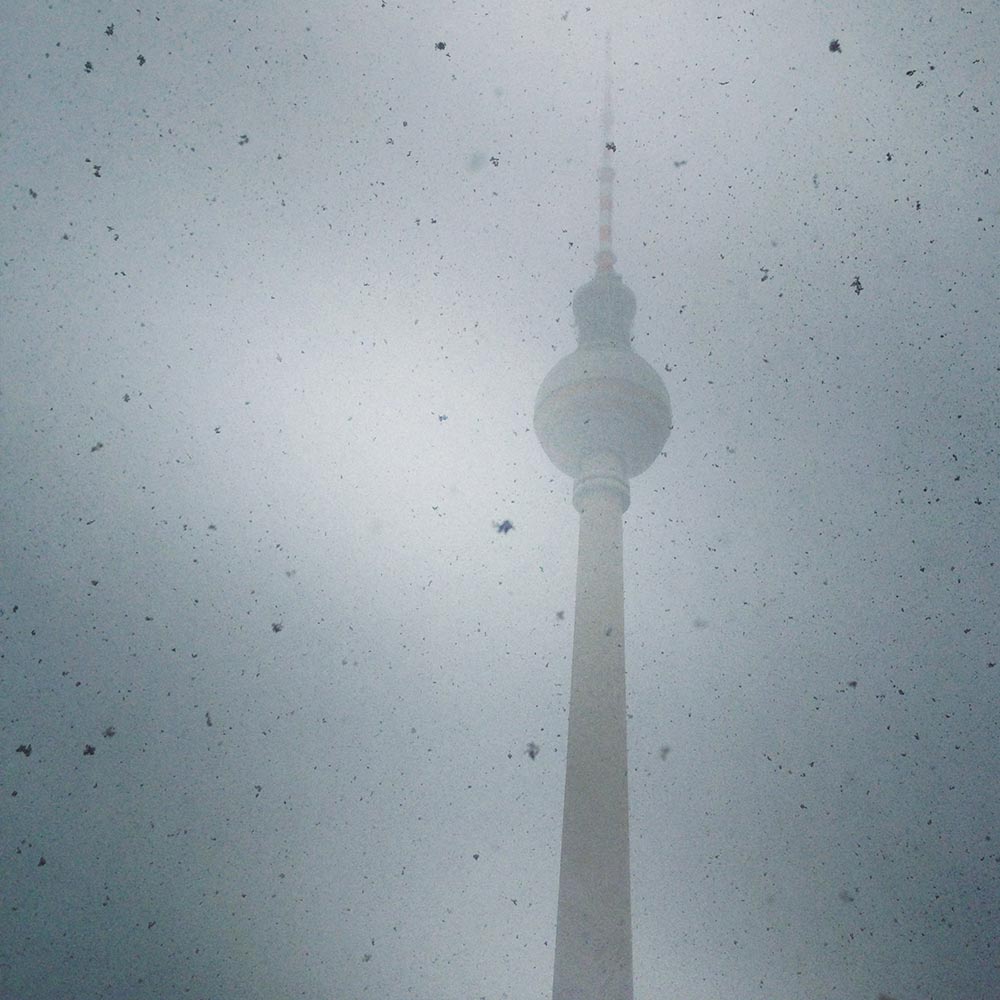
(593,956)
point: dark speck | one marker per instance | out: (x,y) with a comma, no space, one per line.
(664,750)
(41,861)
(24,748)
(442,416)
(440,46)
(108,732)
(88,67)
(852,684)
(98,446)
(856,285)
(503,527)
(109,30)
(94,583)
(560,615)
(32,192)
(244,139)
(141,59)
(532,750)
(88,750)
(835,45)
(208,719)
(844,896)
(276,626)
(150,925)
(126,397)
(611,146)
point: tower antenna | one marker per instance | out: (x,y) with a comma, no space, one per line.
(605,257)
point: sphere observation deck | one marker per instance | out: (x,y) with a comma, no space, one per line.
(603,398)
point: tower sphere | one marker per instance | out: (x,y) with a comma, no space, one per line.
(603,398)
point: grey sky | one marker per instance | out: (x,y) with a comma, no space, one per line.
(276,300)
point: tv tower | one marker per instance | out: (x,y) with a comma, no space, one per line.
(602,416)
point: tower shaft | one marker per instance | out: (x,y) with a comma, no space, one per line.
(593,954)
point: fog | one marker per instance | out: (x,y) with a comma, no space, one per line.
(278,289)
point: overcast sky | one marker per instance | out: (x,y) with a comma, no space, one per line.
(278,287)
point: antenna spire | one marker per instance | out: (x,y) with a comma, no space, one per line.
(605,257)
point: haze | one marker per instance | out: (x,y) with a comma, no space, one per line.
(278,289)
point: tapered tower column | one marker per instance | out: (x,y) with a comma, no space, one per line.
(602,416)
(594,929)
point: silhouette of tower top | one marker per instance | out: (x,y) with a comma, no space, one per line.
(604,307)
(603,398)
